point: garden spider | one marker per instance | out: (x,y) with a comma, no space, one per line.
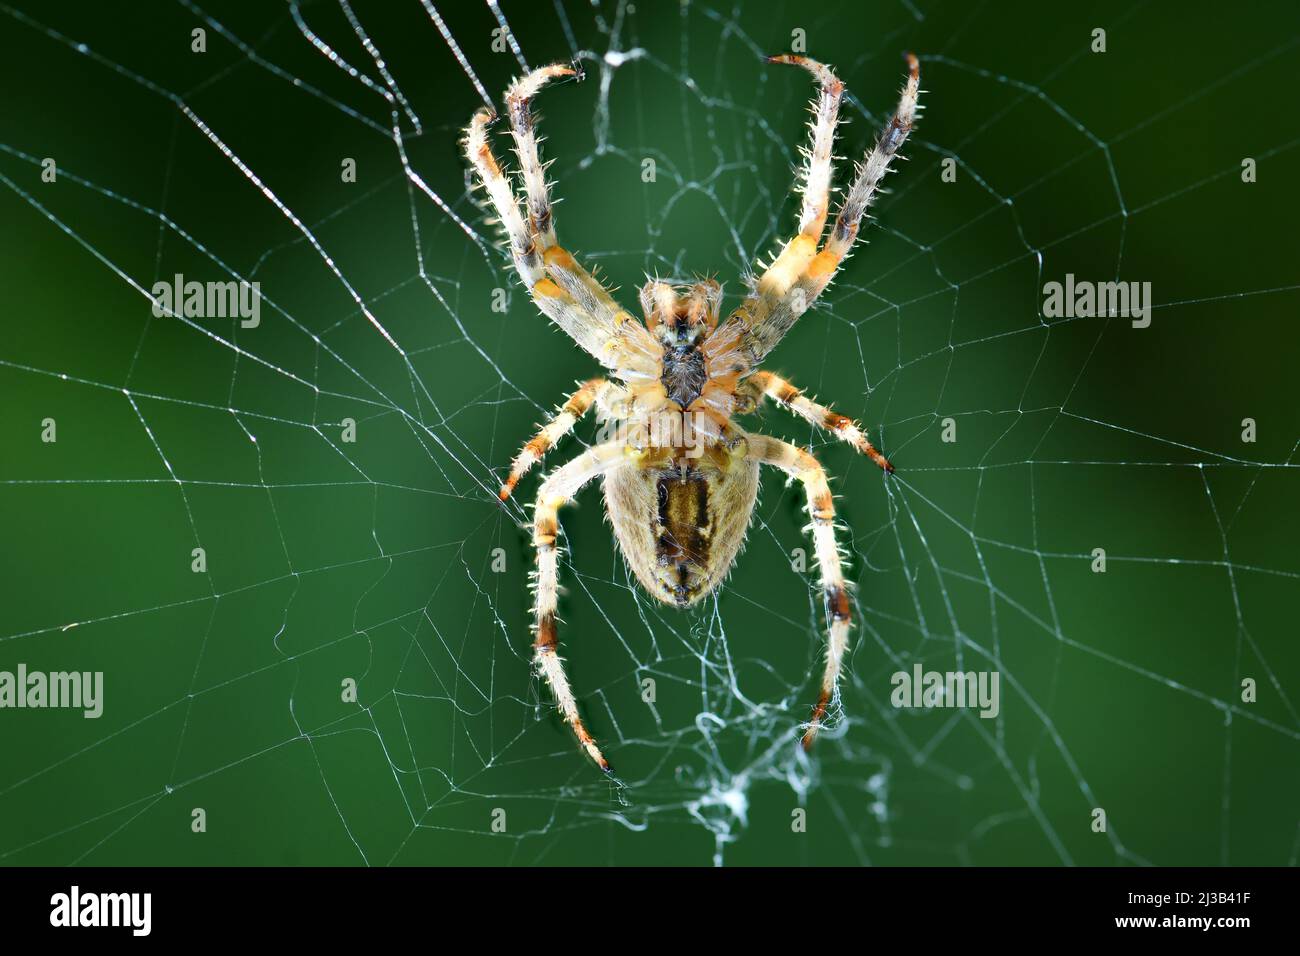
(680,478)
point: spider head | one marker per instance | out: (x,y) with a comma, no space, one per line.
(680,316)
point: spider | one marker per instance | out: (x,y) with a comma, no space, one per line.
(681,478)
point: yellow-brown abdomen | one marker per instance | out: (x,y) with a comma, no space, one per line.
(681,526)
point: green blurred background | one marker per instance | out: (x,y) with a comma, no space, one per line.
(374,560)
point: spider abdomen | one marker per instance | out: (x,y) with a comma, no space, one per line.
(680,527)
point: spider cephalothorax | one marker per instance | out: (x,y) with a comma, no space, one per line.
(680,476)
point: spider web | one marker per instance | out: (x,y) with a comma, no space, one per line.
(387,560)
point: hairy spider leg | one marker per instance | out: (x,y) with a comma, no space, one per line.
(558,488)
(592,391)
(821,509)
(562,289)
(800,273)
(841,426)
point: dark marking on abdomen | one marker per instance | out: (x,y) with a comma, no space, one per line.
(684,522)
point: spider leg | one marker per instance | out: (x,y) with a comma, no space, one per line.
(614,325)
(816,172)
(590,392)
(524,252)
(801,273)
(802,465)
(873,168)
(560,486)
(843,427)
(564,291)
(523,127)
(815,183)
